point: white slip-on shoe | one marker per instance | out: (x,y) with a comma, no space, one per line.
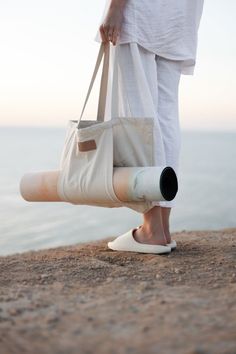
(172,245)
(126,242)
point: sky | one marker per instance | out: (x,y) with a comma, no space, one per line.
(48,53)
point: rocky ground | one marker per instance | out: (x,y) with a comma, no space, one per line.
(90,299)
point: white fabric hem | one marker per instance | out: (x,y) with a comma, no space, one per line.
(186,69)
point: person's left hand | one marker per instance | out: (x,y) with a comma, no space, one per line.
(111,26)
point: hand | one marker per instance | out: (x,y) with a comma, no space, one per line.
(111,26)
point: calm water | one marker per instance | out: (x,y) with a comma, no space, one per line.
(206,196)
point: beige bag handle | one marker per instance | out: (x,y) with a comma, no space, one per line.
(104,50)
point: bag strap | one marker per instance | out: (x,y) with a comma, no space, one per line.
(104,50)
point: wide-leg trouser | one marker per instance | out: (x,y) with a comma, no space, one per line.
(145,84)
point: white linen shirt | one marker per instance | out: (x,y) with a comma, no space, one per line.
(168,28)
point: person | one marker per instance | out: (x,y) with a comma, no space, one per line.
(154,41)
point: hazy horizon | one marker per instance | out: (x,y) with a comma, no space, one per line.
(184,129)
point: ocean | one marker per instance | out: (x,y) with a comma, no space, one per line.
(205,200)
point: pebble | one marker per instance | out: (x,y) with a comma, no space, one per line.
(198,350)
(134,309)
(43,276)
(215,286)
(14,311)
(233,279)
(52,318)
(145,329)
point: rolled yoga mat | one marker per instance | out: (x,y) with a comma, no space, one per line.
(40,186)
(129,184)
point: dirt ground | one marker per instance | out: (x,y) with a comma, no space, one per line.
(90,299)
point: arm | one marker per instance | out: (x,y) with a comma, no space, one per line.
(111,26)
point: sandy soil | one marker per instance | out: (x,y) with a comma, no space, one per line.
(90,299)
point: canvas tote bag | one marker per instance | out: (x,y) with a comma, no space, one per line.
(92,147)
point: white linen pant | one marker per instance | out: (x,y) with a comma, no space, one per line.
(145,84)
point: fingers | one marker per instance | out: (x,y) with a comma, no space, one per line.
(103,34)
(109,34)
(116,33)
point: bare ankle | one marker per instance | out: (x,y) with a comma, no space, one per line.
(151,231)
(150,236)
